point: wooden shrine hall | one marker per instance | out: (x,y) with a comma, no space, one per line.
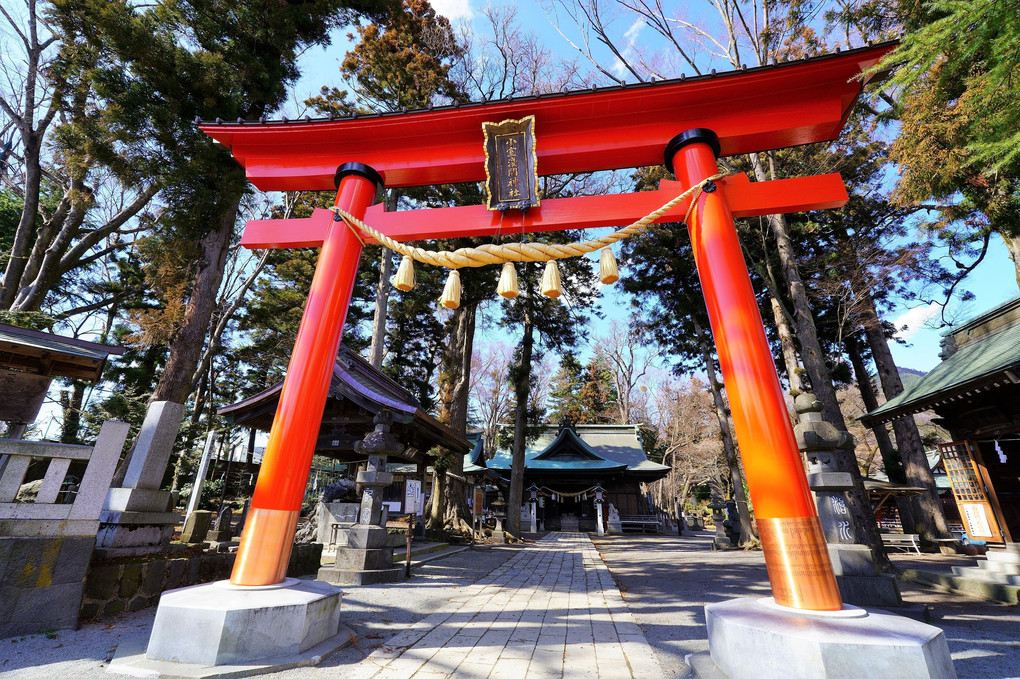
(568,461)
(357,393)
(975,391)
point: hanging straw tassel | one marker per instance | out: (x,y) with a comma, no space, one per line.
(451,293)
(608,273)
(508,282)
(551,280)
(404,280)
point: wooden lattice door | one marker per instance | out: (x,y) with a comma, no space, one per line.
(962,464)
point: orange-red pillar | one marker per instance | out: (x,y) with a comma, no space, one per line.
(795,553)
(269,531)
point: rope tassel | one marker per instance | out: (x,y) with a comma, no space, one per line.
(507,287)
(451,293)
(551,280)
(404,280)
(608,273)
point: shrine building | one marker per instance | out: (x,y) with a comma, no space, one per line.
(567,462)
(975,392)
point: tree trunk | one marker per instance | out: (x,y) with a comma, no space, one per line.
(521,388)
(32,143)
(457,373)
(722,413)
(810,348)
(175,383)
(890,462)
(794,372)
(382,295)
(929,521)
(1012,242)
(435,522)
(71,402)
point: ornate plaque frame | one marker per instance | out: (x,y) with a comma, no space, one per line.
(511,164)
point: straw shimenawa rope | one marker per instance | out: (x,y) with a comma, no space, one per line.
(522,252)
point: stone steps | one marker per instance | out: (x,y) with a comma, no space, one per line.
(969,585)
(986,575)
(1006,556)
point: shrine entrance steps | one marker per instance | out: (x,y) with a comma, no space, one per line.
(552,610)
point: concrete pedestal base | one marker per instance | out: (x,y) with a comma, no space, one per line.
(223,624)
(756,639)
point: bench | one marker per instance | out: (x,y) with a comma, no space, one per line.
(645,524)
(905,541)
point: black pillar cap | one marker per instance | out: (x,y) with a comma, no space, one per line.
(697,135)
(361,170)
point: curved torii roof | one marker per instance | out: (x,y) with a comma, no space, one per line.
(754,109)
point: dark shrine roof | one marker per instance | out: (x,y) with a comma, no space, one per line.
(599,449)
(988,356)
(356,382)
(44,353)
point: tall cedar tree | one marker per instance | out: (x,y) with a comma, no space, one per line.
(168,63)
(557,324)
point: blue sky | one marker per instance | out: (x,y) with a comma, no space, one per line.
(992,282)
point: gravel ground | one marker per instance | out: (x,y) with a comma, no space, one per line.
(375,613)
(667,580)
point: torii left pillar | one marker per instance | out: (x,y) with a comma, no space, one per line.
(260,614)
(269,533)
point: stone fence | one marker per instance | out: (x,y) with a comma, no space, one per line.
(131,585)
(46,545)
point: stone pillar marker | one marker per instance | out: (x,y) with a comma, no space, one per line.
(203,468)
(599,528)
(857,575)
(368,558)
(137,518)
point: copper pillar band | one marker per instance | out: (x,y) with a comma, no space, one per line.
(265,547)
(798,563)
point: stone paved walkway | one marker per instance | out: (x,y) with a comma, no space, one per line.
(550,611)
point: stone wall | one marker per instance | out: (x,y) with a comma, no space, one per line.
(131,585)
(41,582)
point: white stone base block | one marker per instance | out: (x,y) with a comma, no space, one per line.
(756,639)
(222,624)
(130,661)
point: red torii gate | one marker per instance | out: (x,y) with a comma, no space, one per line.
(620,127)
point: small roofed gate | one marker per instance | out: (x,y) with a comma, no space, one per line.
(685,123)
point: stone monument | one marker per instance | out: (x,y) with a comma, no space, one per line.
(137,518)
(221,531)
(857,575)
(613,525)
(196,527)
(368,558)
(727,524)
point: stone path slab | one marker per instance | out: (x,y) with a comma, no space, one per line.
(550,611)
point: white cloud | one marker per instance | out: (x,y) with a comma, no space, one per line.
(631,36)
(634,31)
(453,9)
(913,320)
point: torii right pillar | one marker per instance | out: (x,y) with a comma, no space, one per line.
(804,630)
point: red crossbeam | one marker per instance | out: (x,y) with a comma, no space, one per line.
(749,199)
